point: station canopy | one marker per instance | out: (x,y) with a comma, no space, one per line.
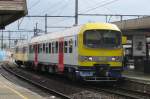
(142,23)
(11,10)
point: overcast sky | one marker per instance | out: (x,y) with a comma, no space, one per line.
(67,7)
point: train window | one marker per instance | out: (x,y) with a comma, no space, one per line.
(65,46)
(53,47)
(43,47)
(38,48)
(49,47)
(30,48)
(70,46)
(75,43)
(16,49)
(56,49)
(24,49)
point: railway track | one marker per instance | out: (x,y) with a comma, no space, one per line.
(128,94)
(122,90)
(58,94)
(116,90)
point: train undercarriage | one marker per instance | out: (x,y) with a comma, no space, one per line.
(90,74)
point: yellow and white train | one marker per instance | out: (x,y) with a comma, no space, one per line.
(92,52)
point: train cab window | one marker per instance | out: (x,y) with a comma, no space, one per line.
(70,46)
(49,47)
(43,47)
(65,46)
(56,49)
(53,47)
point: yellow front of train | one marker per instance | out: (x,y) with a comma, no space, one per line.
(100,52)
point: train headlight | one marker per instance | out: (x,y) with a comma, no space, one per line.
(113,58)
(116,58)
(85,58)
(90,58)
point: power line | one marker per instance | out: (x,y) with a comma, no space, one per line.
(19,31)
(110,2)
(41,16)
(59,27)
(134,15)
(61,21)
(19,23)
(87,1)
(33,5)
(52,6)
(63,7)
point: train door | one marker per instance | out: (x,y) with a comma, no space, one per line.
(61,56)
(35,55)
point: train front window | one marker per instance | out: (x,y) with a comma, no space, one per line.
(102,39)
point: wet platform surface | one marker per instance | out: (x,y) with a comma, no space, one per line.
(135,75)
(9,90)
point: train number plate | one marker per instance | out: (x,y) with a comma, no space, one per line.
(86,73)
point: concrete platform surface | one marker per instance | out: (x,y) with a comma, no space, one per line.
(139,76)
(9,90)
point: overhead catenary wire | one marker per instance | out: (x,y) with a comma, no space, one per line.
(63,8)
(51,8)
(89,3)
(102,5)
(34,4)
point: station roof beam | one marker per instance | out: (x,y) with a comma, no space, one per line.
(134,24)
(11,10)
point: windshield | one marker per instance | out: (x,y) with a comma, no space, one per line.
(102,39)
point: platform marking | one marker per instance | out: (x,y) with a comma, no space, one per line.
(13,90)
(16,92)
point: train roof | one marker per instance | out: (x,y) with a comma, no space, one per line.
(72,31)
(22,44)
(68,32)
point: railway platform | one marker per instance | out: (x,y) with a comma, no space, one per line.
(9,90)
(137,76)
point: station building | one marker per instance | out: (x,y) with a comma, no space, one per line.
(137,32)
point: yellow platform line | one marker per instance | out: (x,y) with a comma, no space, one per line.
(16,92)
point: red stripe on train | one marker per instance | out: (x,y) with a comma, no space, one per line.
(35,54)
(61,55)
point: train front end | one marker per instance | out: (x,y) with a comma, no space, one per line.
(100,52)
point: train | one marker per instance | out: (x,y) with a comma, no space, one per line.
(91,52)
